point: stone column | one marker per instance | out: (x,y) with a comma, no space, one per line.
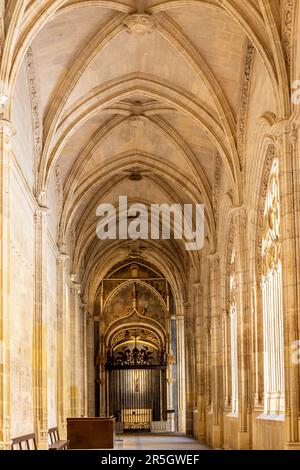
(189,357)
(181,377)
(243,324)
(206,340)
(40,365)
(83,360)
(74,391)
(90,366)
(216,353)
(102,358)
(200,362)
(227,360)
(7,131)
(257,348)
(287,150)
(170,364)
(170,381)
(62,341)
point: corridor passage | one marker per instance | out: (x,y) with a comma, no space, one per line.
(158,442)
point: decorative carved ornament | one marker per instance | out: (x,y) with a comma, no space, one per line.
(288,11)
(35,104)
(270,157)
(59,195)
(244,98)
(137,121)
(157,288)
(230,254)
(140,23)
(271,224)
(232,282)
(217,186)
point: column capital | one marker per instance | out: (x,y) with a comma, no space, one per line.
(43,210)
(295,117)
(76,287)
(197,285)
(214,260)
(237,210)
(213,256)
(179,317)
(63,255)
(7,127)
(225,314)
(285,127)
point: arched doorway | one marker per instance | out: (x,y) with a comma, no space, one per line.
(136,376)
(137,350)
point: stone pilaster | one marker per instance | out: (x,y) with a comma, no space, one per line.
(83,360)
(102,358)
(199,363)
(239,221)
(7,131)
(287,148)
(181,378)
(216,353)
(189,357)
(62,341)
(257,349)
(171,361)
(90,366)
(74,385)
(227,360)
(40,372)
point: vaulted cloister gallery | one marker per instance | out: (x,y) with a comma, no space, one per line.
(163,102)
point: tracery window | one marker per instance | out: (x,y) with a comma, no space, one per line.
(272,299)
(233,337)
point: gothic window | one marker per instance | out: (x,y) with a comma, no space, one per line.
(233,336)
(272,299)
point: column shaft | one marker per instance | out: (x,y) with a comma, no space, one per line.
(6,132)
(40,366)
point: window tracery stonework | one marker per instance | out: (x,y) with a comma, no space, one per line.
(270,239)
(272,298)
(270,156)
(234,333)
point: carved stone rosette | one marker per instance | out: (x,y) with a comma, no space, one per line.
(139,23)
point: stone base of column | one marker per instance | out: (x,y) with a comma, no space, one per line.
(292,446)
(217,436)
(171,422)
(243,440)
(199,426)
(62,429)
(5,445)
(195,424)
(201,431)
(42,442)
(181,421)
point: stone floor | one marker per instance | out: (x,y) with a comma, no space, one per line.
(158,442)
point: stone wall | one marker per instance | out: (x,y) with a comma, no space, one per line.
(22,305)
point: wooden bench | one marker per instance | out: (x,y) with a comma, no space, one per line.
(55,442)
(27,442)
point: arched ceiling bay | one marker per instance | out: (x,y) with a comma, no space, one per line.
(148,87)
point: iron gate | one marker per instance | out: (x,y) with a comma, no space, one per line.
(137,396)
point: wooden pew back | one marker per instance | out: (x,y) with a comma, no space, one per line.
(26,442)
